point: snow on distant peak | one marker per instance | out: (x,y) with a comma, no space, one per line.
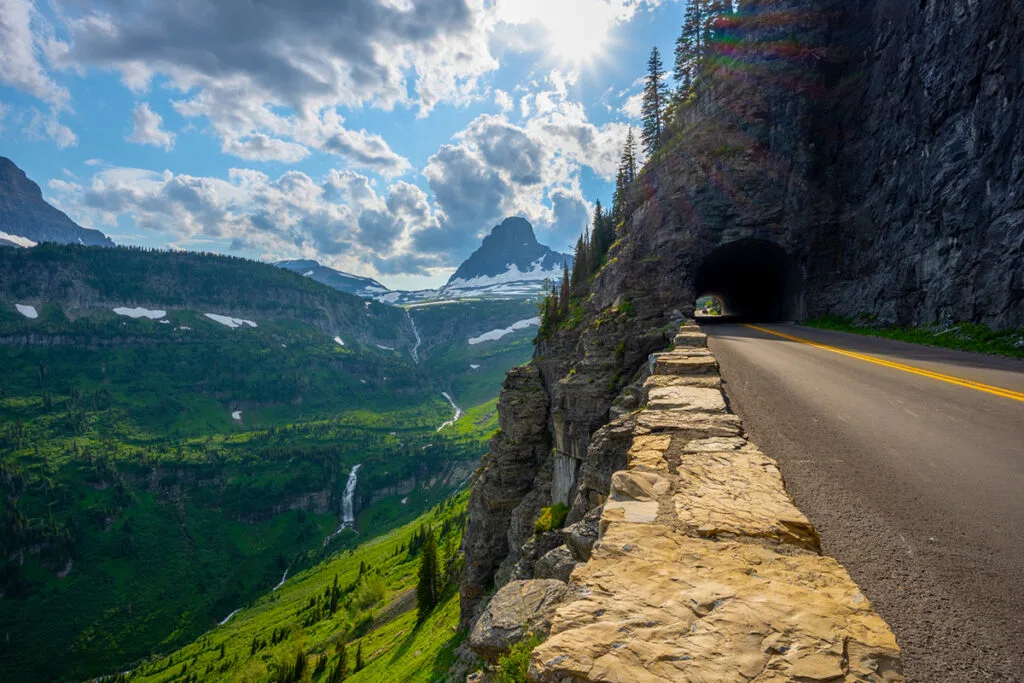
(139,312)
(536,272)
(494,335)
(229,321)
(27,311)
(17,239)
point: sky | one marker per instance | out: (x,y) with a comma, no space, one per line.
(379,137)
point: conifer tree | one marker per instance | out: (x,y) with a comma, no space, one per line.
(428,587)
(655,98)
(359,652)
(629,158)
(563,297)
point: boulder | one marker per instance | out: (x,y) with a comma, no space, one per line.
(518,609)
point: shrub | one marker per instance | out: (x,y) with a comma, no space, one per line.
(552,517)
(516,663)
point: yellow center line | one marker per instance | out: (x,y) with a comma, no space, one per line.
(977,386)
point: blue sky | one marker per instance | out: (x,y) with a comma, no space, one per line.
(381,137)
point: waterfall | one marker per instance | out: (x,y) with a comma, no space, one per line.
(456,416)
(281,582)
(415,353)
(348,517)
(228,617)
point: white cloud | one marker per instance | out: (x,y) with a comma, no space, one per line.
(633,105)
(146,128)
(503,100)
(4,110)
(259,147)
(19,57)
(46,127)
(286,71)
(340,219)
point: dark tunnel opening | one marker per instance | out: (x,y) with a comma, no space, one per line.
(755,280)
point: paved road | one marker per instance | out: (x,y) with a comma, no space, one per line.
(916,484)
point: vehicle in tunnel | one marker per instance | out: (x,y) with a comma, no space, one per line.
(753,279)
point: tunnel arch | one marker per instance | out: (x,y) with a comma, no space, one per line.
(755,280)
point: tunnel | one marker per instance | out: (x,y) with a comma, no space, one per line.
(755,280)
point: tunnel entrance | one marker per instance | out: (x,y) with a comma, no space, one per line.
(754,280)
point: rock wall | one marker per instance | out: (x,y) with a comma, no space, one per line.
(704,569)
(877,143)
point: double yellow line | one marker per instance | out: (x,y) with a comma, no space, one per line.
(977,386)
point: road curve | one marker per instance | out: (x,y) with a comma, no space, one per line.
(915,484)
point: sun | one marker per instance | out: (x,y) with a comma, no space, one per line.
(577,36)
(577,31)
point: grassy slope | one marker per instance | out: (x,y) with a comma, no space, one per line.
(394,648)
(963,336)
(143,480)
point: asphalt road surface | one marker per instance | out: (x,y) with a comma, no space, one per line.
(916,484)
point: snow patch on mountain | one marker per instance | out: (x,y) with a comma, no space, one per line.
(16,240)
(27,311)
(140,312)
(229,321)
(494,335)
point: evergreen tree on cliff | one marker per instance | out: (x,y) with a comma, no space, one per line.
(655,98)
(428,589)
(690,46)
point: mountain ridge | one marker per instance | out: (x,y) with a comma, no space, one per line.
(24,213)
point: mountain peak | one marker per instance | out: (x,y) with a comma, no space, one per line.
(509,253)
(24,212)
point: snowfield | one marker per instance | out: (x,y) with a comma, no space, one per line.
(236,415)
(494,335)
(229,321)
(17,239)
(27,311)
(338,341)
(152,314)
(474,366)
(386,348)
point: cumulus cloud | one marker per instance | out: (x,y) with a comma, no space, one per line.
(20,66)
(260,147)
(46,126)
(146,128)
(284,71)
(503,100)
(633,106)
(341,218)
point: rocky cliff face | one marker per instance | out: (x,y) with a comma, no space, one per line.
(24,212)
(866,156)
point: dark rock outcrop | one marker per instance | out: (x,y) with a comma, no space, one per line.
(24,212)
(505,477)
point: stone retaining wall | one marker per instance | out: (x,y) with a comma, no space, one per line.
(705,570)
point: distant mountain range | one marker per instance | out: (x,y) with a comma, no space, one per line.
(25,214)
(510,263)
(342,281)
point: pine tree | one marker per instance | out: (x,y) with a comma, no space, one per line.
(629,158)
(359,656)
(655,98)
(428,586)
(563,295)
(334,595)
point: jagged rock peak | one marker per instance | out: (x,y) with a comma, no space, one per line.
(511,250)
(24,212)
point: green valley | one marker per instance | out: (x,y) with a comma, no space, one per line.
(164,464)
